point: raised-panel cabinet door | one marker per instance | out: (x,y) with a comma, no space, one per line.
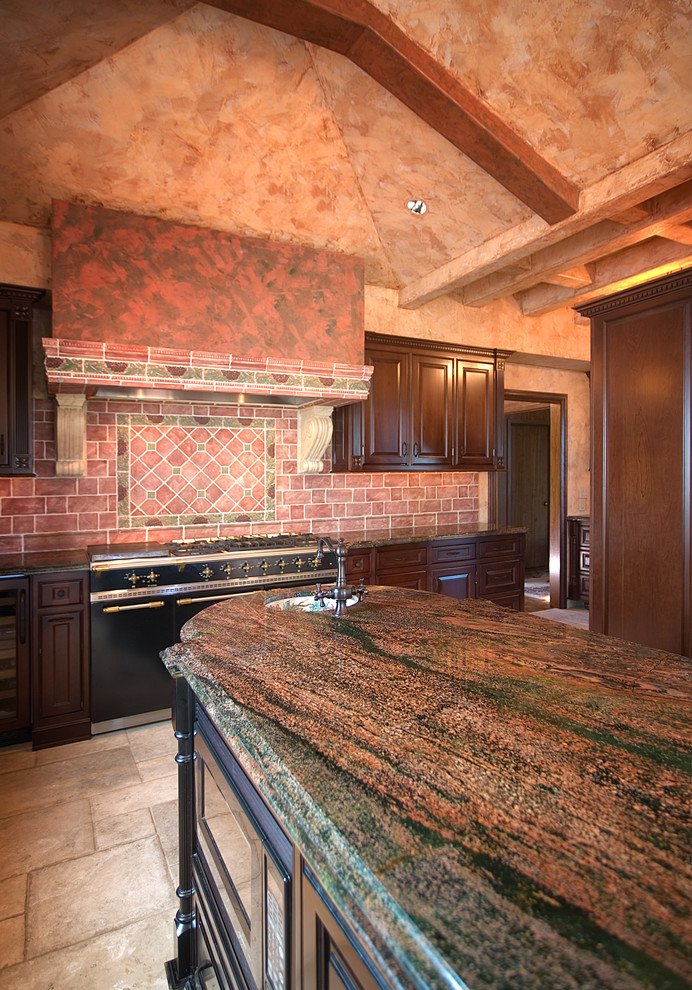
(475,403)
(60,667)
(431,380)
(386,411)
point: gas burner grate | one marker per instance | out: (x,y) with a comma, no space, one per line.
(232,544)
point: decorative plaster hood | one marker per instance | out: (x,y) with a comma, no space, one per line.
(81,369)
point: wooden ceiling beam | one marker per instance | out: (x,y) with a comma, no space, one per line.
(623,270)
(667,211)
(628,188)
(370,39)
(677,232)
(575,276)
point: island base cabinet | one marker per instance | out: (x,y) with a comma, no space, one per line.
(251,914)
(330,958)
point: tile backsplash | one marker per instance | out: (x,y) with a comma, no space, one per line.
(183,469)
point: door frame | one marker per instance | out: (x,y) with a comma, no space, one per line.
(557,402)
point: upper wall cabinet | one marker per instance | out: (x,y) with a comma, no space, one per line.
(15,379)
(432,406)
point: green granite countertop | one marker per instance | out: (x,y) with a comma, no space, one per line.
(492,800)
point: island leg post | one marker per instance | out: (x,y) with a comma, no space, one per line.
(180,971)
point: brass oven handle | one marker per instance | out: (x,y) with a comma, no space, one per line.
(210,598)
(130,608)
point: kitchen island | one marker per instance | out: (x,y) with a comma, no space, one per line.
(479,798)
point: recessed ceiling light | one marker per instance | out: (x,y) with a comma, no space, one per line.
(417,206)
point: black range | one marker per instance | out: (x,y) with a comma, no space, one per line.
(142,594)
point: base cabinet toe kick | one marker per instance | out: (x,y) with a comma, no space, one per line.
(252,913)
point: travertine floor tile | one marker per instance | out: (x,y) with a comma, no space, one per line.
(12,896)
(97,744)
(166,821)
(119,829)
(11,943)
(130,958)
(161,766)
(30,841)
(73,901)
(16,758)
(141,795)
(150,741)
(66,780)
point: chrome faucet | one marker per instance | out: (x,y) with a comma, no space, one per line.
(341,591)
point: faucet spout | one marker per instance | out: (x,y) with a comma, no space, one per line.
(341,591)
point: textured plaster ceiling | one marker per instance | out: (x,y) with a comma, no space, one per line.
(190,112)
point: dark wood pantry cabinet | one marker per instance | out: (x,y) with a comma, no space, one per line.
(641,499)
(431,406)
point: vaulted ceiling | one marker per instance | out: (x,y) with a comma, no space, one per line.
(551,140)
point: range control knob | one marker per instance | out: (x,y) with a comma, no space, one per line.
(315,562)
(132,577)
(281,564)
(152,577)
(265,566)
(299,562)
(228,570)
(206,572)
(246,567)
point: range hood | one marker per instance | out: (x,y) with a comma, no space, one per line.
(80,369)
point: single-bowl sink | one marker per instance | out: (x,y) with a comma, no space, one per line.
(306,603)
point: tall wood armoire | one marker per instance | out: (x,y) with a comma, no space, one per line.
(641,378)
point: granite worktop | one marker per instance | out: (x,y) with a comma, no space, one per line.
(41,562)
(492,800)
(359,541)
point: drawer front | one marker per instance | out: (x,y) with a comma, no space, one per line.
(512,601)
(417,580)
(503,576)
(507,546)
(585,536)
(358,564)
(396,558)
(584,560)
(452,554)
(52,594)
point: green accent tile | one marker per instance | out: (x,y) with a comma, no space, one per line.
(201,446)
(176,470)
(151,446)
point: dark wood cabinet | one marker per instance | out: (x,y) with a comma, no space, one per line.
(431,406)
(386,412)
(579,543)
(16,425)
(60,658)
(488,566)
(641,502)
(15,697)
(476,438)
(431,422)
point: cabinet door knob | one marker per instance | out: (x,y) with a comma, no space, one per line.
(404,449)
(415,449)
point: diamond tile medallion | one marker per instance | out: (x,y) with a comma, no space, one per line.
(183,470)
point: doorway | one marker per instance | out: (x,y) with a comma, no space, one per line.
(531,492)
